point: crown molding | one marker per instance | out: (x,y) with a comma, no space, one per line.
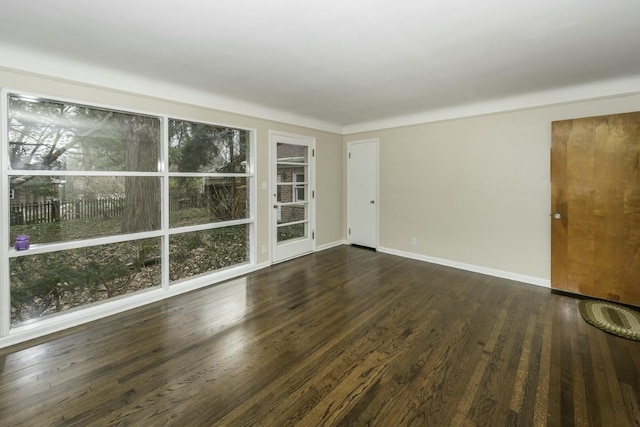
(603,89)
(68,70)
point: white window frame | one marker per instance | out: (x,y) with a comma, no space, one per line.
(299,184)
(11,335)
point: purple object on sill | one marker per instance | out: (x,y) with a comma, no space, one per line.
(22,243)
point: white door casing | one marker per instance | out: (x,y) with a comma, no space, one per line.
(292,195)
(362,193)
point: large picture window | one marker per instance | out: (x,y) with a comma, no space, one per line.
(209,185)
(96,210)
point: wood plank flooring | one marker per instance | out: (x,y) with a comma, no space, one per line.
(343,337)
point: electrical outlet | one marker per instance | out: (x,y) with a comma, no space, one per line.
(414,241)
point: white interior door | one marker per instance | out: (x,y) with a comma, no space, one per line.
(293,196)
(362,190)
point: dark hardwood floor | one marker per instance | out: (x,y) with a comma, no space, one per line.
(342,337)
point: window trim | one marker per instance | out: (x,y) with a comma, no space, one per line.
(9,334)
(297,185)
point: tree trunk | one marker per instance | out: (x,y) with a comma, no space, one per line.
(142,206)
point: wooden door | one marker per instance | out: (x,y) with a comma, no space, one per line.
(595,202)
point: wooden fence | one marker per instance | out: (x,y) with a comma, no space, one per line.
(54,210)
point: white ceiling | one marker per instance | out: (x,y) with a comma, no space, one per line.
(341,63)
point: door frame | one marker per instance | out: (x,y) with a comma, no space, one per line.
(376,142)
(273,237)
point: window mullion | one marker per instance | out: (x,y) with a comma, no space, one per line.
(164,196)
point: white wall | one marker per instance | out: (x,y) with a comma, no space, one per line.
(476,191)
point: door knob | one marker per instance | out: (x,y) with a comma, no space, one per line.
(557,216)
(371,202)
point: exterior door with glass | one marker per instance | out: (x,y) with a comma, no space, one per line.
(293,196)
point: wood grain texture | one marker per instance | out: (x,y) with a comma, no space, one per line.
(343,337)
(595,167)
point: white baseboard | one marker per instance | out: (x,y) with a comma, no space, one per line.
(470,267)
(330,245)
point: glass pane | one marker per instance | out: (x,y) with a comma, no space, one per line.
(45,284)
(199,147)
(287,177)
(285,193)
(289,232)
(291,153)
(289,173)
(300,193)
(53,135)
(57,209)
(292,213)
(200,252)
(194,201)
